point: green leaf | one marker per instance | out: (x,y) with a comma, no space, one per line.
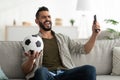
(112,21)
(111,30)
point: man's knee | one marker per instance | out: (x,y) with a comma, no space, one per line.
(90,69)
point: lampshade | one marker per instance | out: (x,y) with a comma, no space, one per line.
(83,5)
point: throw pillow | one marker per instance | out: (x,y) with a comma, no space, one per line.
(116,61)
(2,75)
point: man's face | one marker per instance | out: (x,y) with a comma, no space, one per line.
(45,21)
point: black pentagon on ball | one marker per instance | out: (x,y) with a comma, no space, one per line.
(38,43)
(31,51)
(27,42)
(34,35)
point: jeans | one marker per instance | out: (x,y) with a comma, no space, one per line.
(85,72)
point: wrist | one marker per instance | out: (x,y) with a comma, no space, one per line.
(31,60)
(94,34)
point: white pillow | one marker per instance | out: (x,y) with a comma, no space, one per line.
(116,61)
(2,75)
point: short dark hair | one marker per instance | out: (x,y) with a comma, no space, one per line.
(43,8)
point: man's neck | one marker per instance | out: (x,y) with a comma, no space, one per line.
(47,34)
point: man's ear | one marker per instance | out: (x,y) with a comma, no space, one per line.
(36,21)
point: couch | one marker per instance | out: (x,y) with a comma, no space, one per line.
(101,57)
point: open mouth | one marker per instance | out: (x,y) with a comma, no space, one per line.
(47,23)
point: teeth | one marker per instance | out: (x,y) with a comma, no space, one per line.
(47,23)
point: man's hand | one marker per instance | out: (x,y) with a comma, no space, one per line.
(96,27)
(32,56)
(28,65)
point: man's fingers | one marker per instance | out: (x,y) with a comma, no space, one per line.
(26,54)
(37,54)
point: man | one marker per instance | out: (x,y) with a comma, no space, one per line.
(54,62)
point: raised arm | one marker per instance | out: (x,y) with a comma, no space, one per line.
(89,45)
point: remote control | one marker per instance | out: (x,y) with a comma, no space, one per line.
(95,20)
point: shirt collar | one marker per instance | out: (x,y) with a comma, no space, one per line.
(40,34)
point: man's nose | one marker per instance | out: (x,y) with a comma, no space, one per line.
(47,18)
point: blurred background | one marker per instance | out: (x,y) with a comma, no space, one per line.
(22,12)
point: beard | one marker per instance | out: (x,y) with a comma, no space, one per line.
(48,28)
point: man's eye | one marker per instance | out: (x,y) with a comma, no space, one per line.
(49,16)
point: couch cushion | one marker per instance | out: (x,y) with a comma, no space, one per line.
(2,75)
(107,77)
(10,58)
(100,56)
(116,61)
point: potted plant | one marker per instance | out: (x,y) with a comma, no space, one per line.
(72,21)
(114,33)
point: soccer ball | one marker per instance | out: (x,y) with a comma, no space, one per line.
(33,43)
